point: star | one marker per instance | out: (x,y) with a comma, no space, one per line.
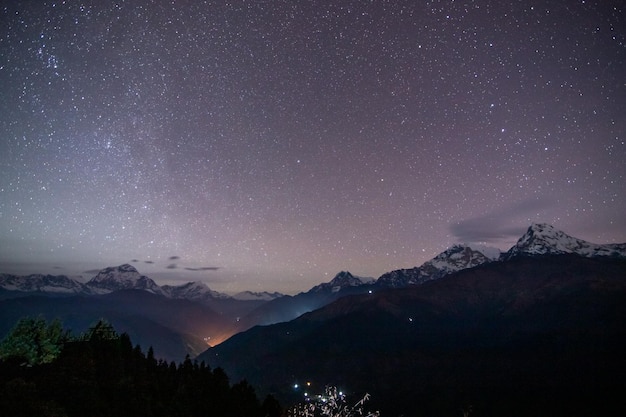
(284,142)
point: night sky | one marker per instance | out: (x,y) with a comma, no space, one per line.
(269,145)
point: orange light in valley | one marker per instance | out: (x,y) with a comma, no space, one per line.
(215,340)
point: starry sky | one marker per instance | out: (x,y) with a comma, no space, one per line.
(268,145)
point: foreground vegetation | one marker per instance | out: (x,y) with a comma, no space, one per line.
(44,371)
(332,403)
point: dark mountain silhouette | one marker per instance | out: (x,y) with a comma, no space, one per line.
(289,307)
(103,374)
(174,328)
(151,323)
(170,329)
(540,335)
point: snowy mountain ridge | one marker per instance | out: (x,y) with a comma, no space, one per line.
(257,296)
(123,277)
(107,280)
(343,279)
(55,284)
(545,239)
(455,258)
(539,239)
(195,290)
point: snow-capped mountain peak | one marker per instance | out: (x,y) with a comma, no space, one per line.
(54,284)
(455,258)
(257,296)
(545,239)
(123,277)
(343,279)
(195,290)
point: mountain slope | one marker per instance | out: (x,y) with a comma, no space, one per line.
(197,291)
(257,296)
(545,239)
(123,277)
(526,336)
(453,259)
(174,328)
(37,283)
(341,281)
(287,308)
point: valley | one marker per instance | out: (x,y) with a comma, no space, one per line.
(537,329)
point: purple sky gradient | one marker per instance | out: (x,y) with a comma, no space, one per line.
(269,145)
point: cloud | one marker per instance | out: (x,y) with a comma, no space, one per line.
(204,268)
(484,229)
(173,258)
(171,266)
(91,271)
(496,226)
(149,262)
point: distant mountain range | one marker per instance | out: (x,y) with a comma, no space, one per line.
(235,314)
(539,239)
(123,277)
(197,316)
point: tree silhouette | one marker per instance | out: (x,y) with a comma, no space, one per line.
(102,374)
(34,341)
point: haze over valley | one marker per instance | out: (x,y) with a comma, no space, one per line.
(236,208)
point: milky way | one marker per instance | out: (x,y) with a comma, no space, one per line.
(269,145)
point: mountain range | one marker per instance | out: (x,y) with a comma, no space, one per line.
(539,331)
(115,293)
(539,239)
(123,277)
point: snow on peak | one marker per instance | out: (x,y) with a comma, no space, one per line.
(124,274)
(195,290)
(122,277)
(343,279)
(545,239)
(455,258)
(257,296)
(56,284)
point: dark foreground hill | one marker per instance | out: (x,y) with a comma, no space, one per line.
(102,374)
(529,336)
